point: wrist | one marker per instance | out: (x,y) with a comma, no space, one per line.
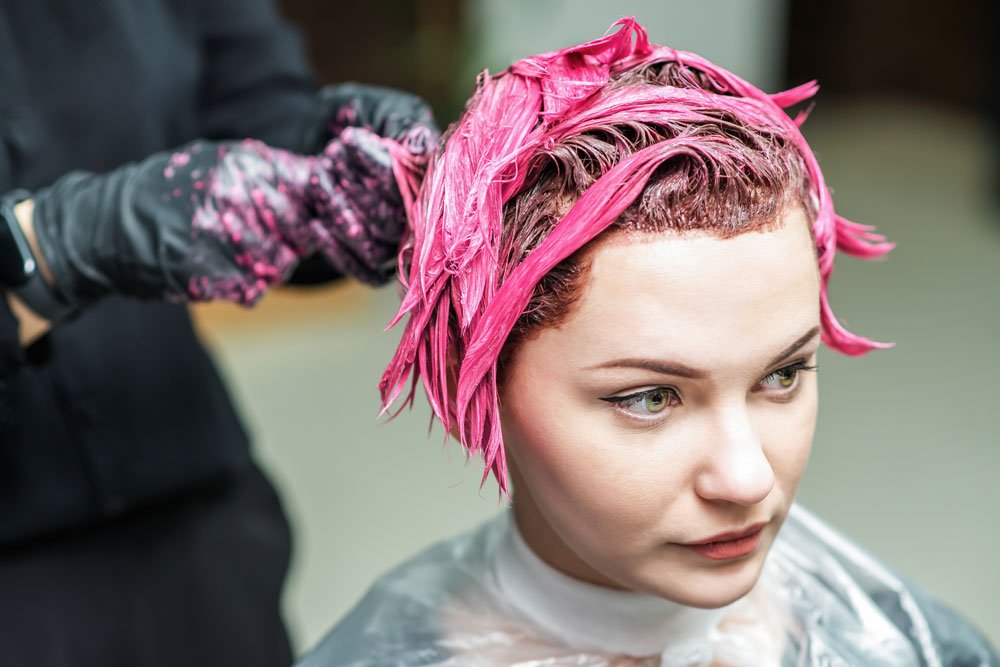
(31,326)
(20,271)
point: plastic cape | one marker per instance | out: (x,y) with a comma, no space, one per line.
(837,606)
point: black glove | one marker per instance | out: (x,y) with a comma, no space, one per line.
(227,220)
(386,112)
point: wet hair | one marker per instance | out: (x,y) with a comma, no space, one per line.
(615,136)
(744,176)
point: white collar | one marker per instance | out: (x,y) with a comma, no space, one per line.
(590,617)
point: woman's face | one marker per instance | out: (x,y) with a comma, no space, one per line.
(673,405)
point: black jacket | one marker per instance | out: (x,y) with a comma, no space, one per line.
(123,406)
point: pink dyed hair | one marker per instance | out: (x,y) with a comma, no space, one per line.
(463,302)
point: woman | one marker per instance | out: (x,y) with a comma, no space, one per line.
(616,291)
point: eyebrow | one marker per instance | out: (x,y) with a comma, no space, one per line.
(682,370)
(796,346)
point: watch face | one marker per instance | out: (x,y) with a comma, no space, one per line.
(17,263)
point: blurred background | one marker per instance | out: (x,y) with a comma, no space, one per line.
(908,446)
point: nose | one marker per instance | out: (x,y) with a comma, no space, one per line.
(735,469)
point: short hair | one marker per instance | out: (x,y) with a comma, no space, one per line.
(615,135)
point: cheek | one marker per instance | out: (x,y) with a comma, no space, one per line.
(556,456)
(586,479)
(788,440)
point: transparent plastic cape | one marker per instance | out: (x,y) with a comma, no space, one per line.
(839,606)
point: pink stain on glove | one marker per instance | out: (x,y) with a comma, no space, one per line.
(259,210)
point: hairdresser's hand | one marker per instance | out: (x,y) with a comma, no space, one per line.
(225,221)
(386,112)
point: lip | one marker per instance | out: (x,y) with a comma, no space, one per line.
(729,545)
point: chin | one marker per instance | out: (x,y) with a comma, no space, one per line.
(709,587)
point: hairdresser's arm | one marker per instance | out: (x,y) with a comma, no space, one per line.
(222,221)
(228,220)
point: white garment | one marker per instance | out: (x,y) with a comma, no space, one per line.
(612,622)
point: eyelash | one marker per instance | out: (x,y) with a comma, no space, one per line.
(796,368)
(622,402)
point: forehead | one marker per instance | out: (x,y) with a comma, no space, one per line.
(696,296)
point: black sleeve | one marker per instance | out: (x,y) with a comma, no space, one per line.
(70,422)
(11,357)
(255,81)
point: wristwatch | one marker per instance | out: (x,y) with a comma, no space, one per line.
(19,268)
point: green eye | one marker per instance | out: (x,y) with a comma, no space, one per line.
(655,401)
(646,403)
(786,377)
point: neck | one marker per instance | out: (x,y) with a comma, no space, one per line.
(589,615)
(546,545)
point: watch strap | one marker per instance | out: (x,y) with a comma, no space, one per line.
(17,261)
(31,287)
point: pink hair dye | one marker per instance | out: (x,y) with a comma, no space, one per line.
(463,295)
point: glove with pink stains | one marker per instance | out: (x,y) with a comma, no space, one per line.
(228,220)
